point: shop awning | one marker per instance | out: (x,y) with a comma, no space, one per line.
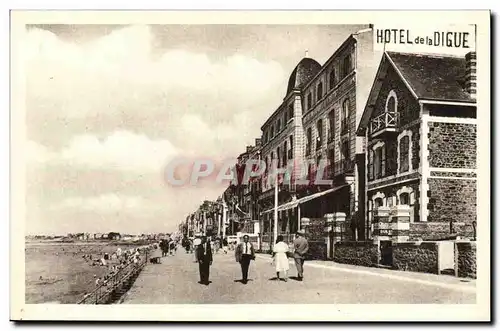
(294,204)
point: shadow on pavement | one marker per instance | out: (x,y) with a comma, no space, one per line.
(241,280)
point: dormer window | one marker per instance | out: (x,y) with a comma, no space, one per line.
(319,139)
(332,78)
(309,101)
(320,91)
(346,66)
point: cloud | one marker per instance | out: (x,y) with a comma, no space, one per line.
(120,151)
(123,69)
(106,204)
(105,116)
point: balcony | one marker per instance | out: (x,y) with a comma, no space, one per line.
(343,167)
(331,136)
(344,127)
(384,123)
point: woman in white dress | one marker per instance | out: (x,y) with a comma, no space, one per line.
(280,250)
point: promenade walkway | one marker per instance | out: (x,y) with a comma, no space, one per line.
(175,281)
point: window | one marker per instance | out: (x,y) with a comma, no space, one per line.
(404,154)
(265,137)
(285,155)
(309,101)
(331,159)
(345,116)
(404,199)
(391,104)
(278,159)
(406,196)
(370,164)
(379,202)
(290,111)
(290,152)
(332,78)
(272,132)
(319,92)
(331,126)
(345,150)
(319,139)
(308,141)
(346,66)
(285,121)
(379,162)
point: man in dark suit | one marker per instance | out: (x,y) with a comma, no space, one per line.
(301,247)
(244,254)
(204,259)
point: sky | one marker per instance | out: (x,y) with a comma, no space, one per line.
(108,107)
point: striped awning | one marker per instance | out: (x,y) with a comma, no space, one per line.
(295,203)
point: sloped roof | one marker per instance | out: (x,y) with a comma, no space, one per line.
(429,77)
(303,72)
(433,77)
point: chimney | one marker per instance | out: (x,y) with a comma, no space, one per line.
(257,141)
(307,53)
(470,73)
(249,149)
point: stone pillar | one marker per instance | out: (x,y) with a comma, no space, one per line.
(381,227)
(334,231)
(304,224)
(400,223)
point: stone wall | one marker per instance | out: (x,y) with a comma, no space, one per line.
(438,230)
(412,256)
(452,145)
(465,259)
(451,199)
(363,253)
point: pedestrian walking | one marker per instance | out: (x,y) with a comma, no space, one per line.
(204,258)
(301,247)
(172,247)
(244,254)
(280,251)
(225,245)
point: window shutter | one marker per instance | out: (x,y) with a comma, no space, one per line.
(370,165)
(382,163)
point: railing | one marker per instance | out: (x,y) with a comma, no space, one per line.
(344,128)
(343,166)
(115,286)
(331,136)
(383,121)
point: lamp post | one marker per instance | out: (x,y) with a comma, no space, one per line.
(275,228)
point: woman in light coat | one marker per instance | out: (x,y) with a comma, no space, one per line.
(280,250)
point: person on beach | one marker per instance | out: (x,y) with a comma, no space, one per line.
(280,251)
(204,258)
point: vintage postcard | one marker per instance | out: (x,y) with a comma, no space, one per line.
(250,166)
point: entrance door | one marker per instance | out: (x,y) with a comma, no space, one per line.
(386,252)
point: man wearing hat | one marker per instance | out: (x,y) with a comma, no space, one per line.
(301,246)
(204,258)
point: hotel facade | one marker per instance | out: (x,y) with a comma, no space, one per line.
(316,123)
